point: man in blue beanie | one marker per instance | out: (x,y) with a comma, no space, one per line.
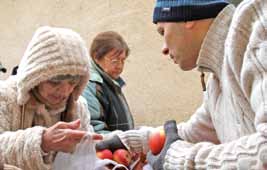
(229,129)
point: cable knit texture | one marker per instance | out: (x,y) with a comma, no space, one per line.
(235,102)
(10,167)
(52,52)
(229,130)
(62,46)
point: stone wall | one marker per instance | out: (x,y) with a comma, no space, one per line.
(156,89)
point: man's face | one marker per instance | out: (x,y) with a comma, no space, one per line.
(56,92)
(179,44)
(113,63)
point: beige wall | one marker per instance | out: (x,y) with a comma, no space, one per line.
(156,88)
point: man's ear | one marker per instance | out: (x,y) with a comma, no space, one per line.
(189,24)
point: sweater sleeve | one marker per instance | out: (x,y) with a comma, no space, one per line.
(84,115)
(21,148)
(136,140)
(199,127)
(248,152)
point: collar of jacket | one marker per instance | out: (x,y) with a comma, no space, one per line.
(97,74)
(211,54)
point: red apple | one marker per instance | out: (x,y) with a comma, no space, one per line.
(156,140)
(104,154)
(122,156)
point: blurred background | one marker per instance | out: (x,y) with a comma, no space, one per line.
(157,90)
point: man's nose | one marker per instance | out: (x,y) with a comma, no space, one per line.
(165,49)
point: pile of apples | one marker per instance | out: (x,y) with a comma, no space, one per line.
(156,142)
(121,156)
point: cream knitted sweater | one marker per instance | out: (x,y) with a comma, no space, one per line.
(229,130)
(51,52)
(21,146)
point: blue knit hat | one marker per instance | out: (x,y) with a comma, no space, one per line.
(186,10)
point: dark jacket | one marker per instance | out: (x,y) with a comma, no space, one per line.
(107,104)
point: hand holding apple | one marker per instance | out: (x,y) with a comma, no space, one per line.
(171,132)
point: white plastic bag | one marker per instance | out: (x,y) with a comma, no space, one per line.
(83,158)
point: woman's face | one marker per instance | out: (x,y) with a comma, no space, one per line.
(56,92)
(113,63)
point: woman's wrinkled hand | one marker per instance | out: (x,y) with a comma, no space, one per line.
(64,136)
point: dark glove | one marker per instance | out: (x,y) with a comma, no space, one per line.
(112,144)
(2,68)
(156,161)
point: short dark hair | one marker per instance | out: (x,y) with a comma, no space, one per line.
(104,42)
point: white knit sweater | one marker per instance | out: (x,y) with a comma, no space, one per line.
(229,130)
(51,52)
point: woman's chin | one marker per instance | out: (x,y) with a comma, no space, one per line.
(56,102)
(115,76)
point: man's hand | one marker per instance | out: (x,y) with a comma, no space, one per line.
(112,144)
(156,161)
(63,137)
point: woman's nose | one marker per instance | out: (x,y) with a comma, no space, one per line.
(66,89)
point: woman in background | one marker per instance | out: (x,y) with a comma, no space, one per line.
(107,105)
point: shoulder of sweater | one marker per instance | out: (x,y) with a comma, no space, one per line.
(8,90)
(248,11)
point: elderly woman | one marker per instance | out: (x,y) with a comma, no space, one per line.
(41,112)
(106,102)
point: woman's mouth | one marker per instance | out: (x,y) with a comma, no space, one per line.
(58,99)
